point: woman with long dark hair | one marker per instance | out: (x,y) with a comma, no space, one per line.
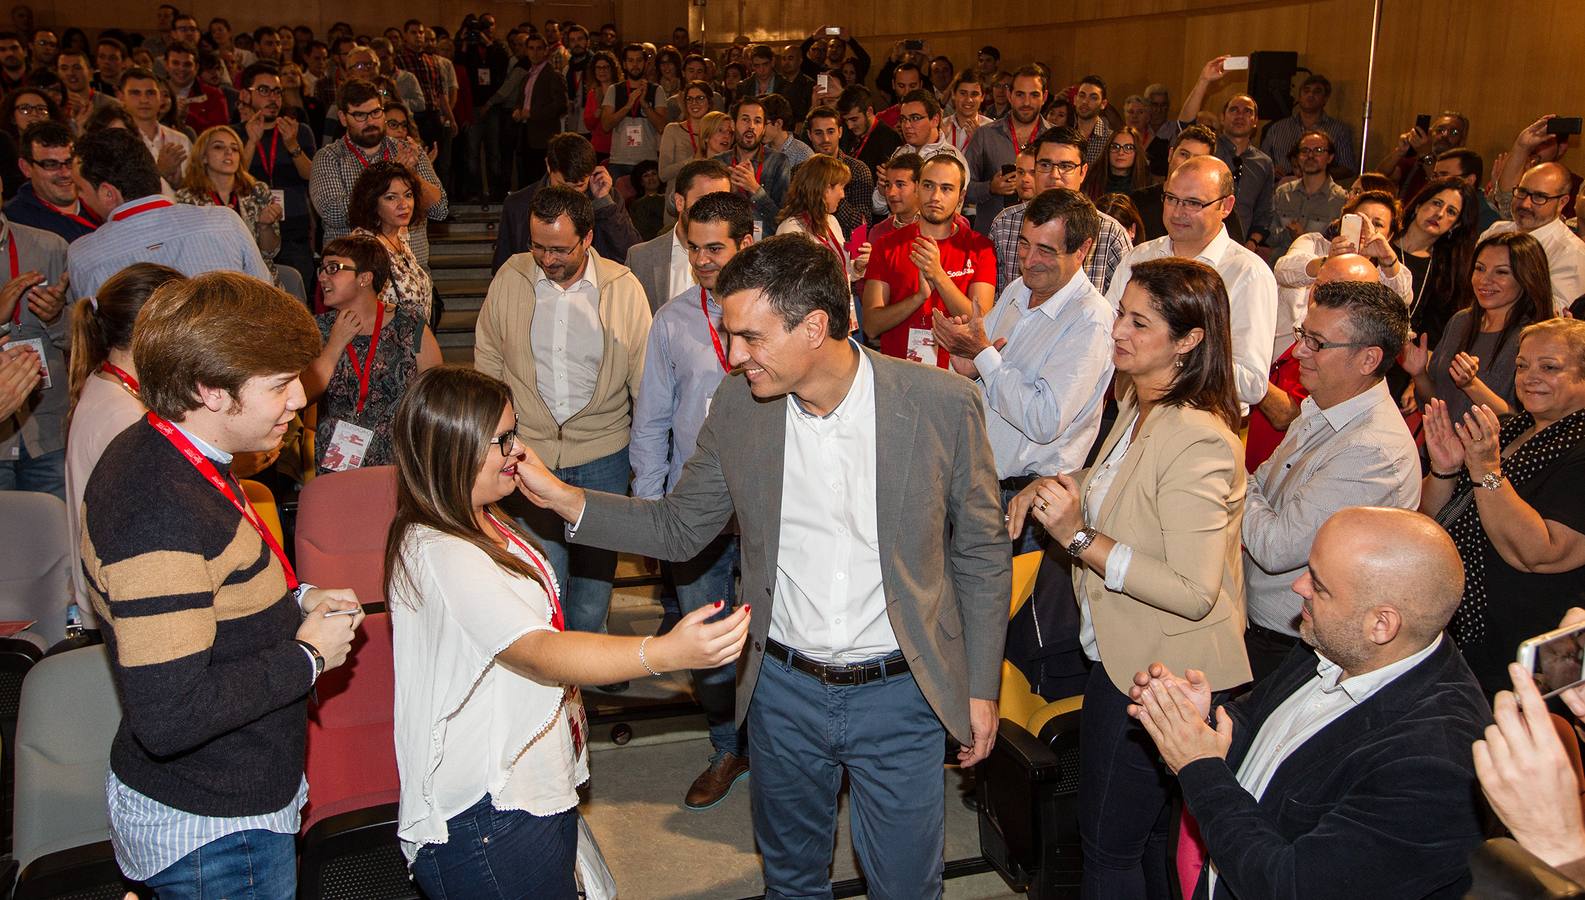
(491,739)
(21,108)
(1435,239)
(383,205)
(1123,168)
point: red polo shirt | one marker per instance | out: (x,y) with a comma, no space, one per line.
(968,258)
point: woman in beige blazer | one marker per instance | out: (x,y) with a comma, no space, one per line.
(1154,530)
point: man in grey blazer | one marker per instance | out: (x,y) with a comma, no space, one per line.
(661,263)
(873,551)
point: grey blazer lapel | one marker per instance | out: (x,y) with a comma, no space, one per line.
(763,445)
(896,424)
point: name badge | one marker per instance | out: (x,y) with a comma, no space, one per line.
(922,346)
(577,721)
(484,77)
(278,197)
(38,347)
(633,134)
(349,445)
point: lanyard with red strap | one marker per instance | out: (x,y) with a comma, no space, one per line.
(715,337)
(859,150)
(81,218)
(1012,131)
(120,374)
(234,203)
(825,235)
(141,208)
(16,271)
(268,162)
(239,500)
(688,124)
(385,152)
(367,368)
(556,620)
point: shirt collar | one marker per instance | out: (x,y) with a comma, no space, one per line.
(678,251)
(1361,687)
(1076,287)
(1339,415)
(587,278)
(204,447)
(1213,252)
(1551,231)
(858,392)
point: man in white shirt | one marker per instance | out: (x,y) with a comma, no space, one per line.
(1347,772)
(1197,198)
(919,123)
(1538,211)
(139,92)
(873,555)
(661,263)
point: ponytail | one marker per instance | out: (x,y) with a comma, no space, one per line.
(102,324)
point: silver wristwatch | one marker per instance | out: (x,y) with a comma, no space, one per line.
(1081,541)
(1491,481)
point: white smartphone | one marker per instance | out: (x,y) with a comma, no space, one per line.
(833,30)
(1353,224)
(823,81)
(1235,62)
(1555,659)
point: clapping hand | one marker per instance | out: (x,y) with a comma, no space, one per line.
(21,370)
(1174,713)
(1417,355)
(1441,443)
(1463,370)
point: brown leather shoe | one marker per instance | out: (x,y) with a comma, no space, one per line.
(712,785)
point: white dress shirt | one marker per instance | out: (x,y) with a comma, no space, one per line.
(163,137)
(1121,555)
(1044,390)
(1251,293)
(1316,704)
(568,342)
(680,275)
(830,601)
(1565,258)
(1293,285)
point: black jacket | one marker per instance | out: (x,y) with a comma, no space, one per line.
(613,228)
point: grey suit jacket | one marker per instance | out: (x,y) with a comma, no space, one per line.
(945,558)
(651,262)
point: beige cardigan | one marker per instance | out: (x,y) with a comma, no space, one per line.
(502,348)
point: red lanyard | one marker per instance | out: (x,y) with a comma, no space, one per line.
(127,381)
(16,270)
(233,203)
(826,237)
(859,150)
(556,621)
(82,220)
(268,162)
(715,338)
(208,470)
(1012,131)
(385,153)
(956,130)
(141,208)
(688,124)
(367,368)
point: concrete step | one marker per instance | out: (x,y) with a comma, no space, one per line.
(446,232)
(451,256)
(462,282)
(475,213)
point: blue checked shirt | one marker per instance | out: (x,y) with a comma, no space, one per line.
(1110,245)
(190,239)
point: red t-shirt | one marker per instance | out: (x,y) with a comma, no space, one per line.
(1263,436)
(968,258)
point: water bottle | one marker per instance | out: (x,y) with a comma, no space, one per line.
(74,620)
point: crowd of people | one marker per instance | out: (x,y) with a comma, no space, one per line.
(1302,444)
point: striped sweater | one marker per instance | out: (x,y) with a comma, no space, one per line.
(200,627)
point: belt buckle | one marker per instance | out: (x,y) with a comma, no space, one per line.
(841,676)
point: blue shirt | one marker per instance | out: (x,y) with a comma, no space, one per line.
(681,374)
(190,239)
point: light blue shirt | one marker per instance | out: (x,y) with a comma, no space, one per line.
(190,239)
(681,374)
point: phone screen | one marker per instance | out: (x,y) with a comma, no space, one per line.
(1555,659)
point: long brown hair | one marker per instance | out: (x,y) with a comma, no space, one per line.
(806,194)
(104,323)
(1528,261)
(1100,172)
(1189,295)
(195,175)
(440,436)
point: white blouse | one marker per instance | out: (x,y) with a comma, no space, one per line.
(467,726)
(104,410)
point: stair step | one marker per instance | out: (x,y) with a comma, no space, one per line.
(455,321)
(463,231)
(465,256)
(462,282)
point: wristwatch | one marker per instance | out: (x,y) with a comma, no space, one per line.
(1081,541)
(1491,481)
(319,661)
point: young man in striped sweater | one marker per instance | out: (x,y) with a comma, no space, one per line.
(213,643)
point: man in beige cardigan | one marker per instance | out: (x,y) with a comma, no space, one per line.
(566,329)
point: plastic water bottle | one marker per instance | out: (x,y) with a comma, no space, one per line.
(74,620)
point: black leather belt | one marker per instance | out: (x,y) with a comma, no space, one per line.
(1017,482)
(844,676)
(1271,634)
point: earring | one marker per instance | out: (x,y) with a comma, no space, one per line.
(1177,361)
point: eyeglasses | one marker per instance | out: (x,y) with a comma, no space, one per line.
(695,98)
(1122,148)
(1313,151)
(32,109)
(1316,345)
(1519,194)
(330,269)
(506,440)
(265,90)
(356,116)
(1046,166)
(363,64)
(1190,203)
(914,119)
(396,123)
(552,252)
(51,165)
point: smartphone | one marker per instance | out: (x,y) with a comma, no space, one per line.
(823,81)
(1235,62)
(833,30)
(1353,225)
(1563,125)
(1008,169)
(1423,122)
(1555,659)
(913,45)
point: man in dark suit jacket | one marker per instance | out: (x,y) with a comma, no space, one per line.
(878,579)
(1352,777)
(568,160)
(537,107)
(652,260)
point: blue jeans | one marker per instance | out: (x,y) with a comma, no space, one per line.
(45,474)
(501,853)
(584,573)
(702,581)
(1123,799)
(802,735)
(245,865)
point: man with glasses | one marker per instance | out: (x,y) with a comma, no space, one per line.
(1193,141)
(995,147)
(280,152)
(1197,198)
(48,200)
(1309,114)
(1410,162)
(206,106)
(919,123)
(566,328)
(1254,173)
(1059,163)
(1313,200)
(1538,212)
(46,48)
(1348,446)
(338,164)
(1532,147)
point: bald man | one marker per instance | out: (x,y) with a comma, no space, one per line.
(1195,204)
(1235,146)
(1538,211)
(1347,772)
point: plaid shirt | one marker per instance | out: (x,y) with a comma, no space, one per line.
(336,170)
(1110,245)
(1095,145)
(424,68)
(850,214)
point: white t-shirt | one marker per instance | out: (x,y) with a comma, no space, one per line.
(466,726)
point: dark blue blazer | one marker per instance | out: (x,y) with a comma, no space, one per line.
(1381,803)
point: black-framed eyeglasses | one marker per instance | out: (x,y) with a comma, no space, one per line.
(1316,345)
(361,117)
(266,90)
(1519,194)
(330,269)
(1314,151)
(1122,148)
(1046,167)
(395,123)
(1189,203)
(51,165)
(506,440)
(32,109)
(914,119)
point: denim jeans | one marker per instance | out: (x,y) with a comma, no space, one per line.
(245,865)
(803,735)
(45,474)
(702,581)
(492,853)
(584,573)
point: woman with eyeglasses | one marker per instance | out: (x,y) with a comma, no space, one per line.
(216,175)
(491,737)
(1126,168)
(603,72)
(383,204)
(373,350)
(399,127)
(20,109)
(1474,362)
(683,141)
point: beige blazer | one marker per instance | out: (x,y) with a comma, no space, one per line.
(1178,501)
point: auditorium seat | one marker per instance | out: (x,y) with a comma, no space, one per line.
(341,523)
(263,503)
(35,562)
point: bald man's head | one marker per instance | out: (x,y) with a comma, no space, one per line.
(1548,180)
(1347,267)
(1381,585)
(1206,170)
(1204,182)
